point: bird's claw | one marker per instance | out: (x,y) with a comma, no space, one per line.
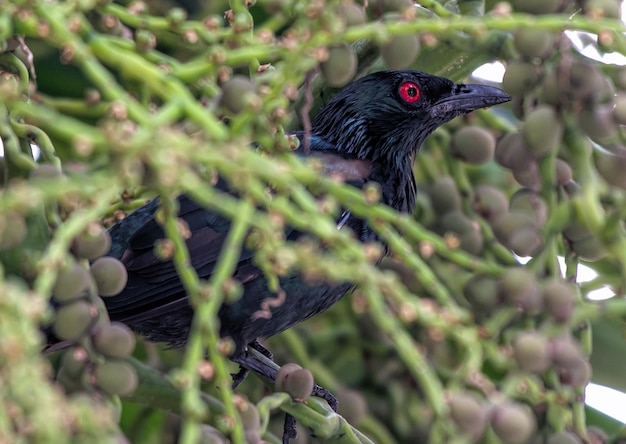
(321,392)
(289,429)
(239,377)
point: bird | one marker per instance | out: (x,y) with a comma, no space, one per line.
(370,131)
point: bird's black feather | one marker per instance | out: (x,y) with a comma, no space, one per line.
(371,131)
(368,132)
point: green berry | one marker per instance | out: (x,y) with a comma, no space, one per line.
(400,51)
(542,131)
(619,112)
(576,374)
(611,167)
(519,288)
(520,78)
(563,172)
(513,423)
(74,361)
(92,243)
(72,283)
(295,380)
(352,405)
(116,378)
(110,275)
(444,195)
(559,299)
(72,321)
(340,67)
(13,230)
(490,202)
(565,351)
(532,351)
(598,123)
(352,13)
(481,291)
(531,42)
(114,340)
(512,151)
(237,94)
(473,144)
(531,203)
(468,413)
(589,249)
(537,6)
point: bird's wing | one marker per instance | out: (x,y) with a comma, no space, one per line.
(154,288)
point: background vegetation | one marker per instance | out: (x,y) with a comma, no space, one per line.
(449,340)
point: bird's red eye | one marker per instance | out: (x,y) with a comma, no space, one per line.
(409,92)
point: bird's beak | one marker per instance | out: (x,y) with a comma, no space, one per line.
(467,98)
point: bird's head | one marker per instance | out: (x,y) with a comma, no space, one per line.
(389,113)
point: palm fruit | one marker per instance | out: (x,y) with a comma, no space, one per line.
(116,377)
(519,232)
(236,94)
(74,361)
(72,283)
(559,299)
(400,51)
(611,167)
(74,320)
(513,423)
(468,413)
(532,42)
(295,380)
(598,123)
(352,405)
(520,78)
(490,202)
(114,340)
(444,195)
(13,230)
(531,350)
(94,242)
(619,112)
(512,151)
(577,373)
(603,8)
(537,6)
(473,144)
(110,275)
(542,131)
(340,66)
(531,203)
(519,288)
(351,13)
(481,291)
(563,172)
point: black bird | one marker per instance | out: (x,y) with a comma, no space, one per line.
(370,131)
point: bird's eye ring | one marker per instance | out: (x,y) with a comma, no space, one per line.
(409,92)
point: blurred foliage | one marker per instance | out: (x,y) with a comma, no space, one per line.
(450,339)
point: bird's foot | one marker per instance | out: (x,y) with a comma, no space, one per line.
(261,349)
(239,377)
(289,429)
(266,368)
(321,392)
(243,372)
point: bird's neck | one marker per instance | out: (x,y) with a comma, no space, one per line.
(397,182)
(388,157)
